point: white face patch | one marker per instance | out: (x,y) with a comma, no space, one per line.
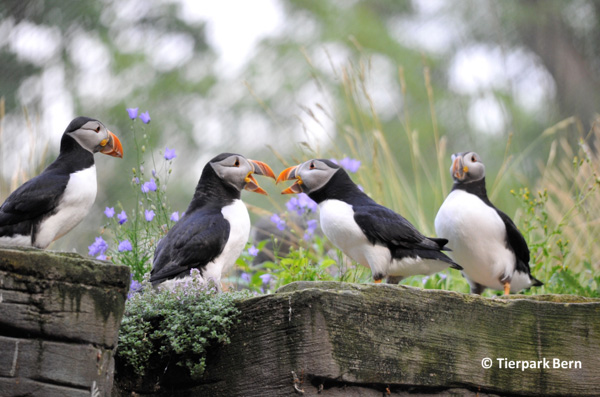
(233,170)
(90,135)
(315,174)
(74,205)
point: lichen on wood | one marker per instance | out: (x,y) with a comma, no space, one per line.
(59,320)
(349,339)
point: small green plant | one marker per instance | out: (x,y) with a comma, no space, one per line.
(136,232)
(179,325)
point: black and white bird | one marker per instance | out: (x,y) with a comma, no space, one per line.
(216,225)
(367,232)
(48,206)
(483,239)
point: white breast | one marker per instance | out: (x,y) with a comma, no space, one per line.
(477,236)
(74,205)
(239,222)
(338,224)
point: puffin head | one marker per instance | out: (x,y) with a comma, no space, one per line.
(94,137)
(310,176)
(467,167)
(237,171)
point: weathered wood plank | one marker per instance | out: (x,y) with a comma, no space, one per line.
(63,363)
(59,320)
(33,388)
(353,339)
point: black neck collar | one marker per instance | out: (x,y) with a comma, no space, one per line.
(72,156)
(339,187)
(213,190)
(476,187)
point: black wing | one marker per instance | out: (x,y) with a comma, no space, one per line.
(384,226)
(198,238)
(516,242)
(32,200)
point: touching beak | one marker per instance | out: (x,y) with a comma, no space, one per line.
(113,146)
(288,174)
(260,168)
(458,170)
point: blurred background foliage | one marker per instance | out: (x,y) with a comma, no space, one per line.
(398,84)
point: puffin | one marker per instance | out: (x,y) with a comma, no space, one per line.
(215,227)
(49,205)
(365,231)
(486,242)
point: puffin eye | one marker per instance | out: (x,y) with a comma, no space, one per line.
(237,162)
(312,166)
(97,129)
(473,159)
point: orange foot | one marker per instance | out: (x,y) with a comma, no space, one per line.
(507,288)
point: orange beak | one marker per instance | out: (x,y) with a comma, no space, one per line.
(260,168)
(113,147)
(458,169)
(288,174)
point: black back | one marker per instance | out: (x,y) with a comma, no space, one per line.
(201,234)
(380,224)
(26,207)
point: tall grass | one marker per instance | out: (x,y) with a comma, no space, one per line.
(23,164)
(557,212)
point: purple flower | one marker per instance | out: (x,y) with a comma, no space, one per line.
(443,276)
(134,287)
(246,277)
(149,214)
(136,180)
(253,251)
(311,226)
(351,165)
(265,278)
(132,113)
(170,154)
(122,217)
(98,247)
(301,204)
(101,257)
(125,246)
(175,216)
(154,173)
(292,204)
(109,212)
(278,221)
(149,186)
(145,117)
(306,202)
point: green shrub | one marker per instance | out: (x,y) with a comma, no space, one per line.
(179,325)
